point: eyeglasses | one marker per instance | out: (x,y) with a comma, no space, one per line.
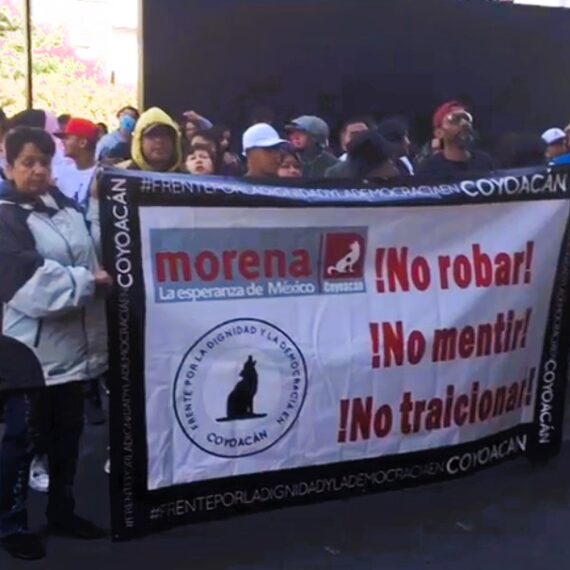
(459,117)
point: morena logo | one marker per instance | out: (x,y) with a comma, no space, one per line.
(208,264)
(232,264)
(344,256)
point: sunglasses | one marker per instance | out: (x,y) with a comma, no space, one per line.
(460,117)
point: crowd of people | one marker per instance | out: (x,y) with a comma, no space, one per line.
(301,148)
(53,347)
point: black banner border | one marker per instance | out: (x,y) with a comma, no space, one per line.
(215,191)
(162,507)
(546,437)
(133,507)
(126,317)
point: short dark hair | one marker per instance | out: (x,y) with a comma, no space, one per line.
(103,127)
(203,147)
(211,136)
(28,118)
(288,150)
(134,110)
(18,138)
(368,121)
(65,118)
(394,129)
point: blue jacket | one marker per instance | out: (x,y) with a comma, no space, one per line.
(561,160)
(47,262)
(106,144)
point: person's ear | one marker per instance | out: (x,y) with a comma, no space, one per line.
(82,143)
(438,133)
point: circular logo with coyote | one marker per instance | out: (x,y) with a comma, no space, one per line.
(240,388)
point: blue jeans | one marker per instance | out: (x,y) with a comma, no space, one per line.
(50,417)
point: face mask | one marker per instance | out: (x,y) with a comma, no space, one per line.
(127,123)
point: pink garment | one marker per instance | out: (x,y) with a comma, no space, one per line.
(52,127)
(61,165)
(51,124)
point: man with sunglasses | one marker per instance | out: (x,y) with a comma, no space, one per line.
(453,127)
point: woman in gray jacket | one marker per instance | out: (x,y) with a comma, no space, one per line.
(52,290)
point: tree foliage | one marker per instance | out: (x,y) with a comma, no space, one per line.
(62,82)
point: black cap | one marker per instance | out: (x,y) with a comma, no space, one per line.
(393,130)
(370,149)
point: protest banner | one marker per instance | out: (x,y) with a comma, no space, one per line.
(276,345)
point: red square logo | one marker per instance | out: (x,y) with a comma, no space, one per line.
(344,255)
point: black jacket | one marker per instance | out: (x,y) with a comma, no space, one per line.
(19,367)
(343,169)
(315,164)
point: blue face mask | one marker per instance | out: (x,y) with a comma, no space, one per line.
(127,123)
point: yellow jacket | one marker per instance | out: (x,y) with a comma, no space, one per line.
(152,116)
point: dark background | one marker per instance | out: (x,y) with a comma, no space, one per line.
(337,58)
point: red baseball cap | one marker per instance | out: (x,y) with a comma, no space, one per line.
(443,110)
(81,128)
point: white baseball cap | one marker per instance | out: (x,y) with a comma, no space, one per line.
(261,135)
(552,136)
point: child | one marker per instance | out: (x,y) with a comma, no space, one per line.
(200,161)
(290,166)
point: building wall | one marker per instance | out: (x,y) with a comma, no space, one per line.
(337,58)
(101,30)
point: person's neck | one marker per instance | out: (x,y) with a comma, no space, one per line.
(254,173)
(125,136)
(456,154)
(85,162)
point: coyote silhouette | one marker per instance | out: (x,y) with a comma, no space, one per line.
(240,400)
(347,263)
